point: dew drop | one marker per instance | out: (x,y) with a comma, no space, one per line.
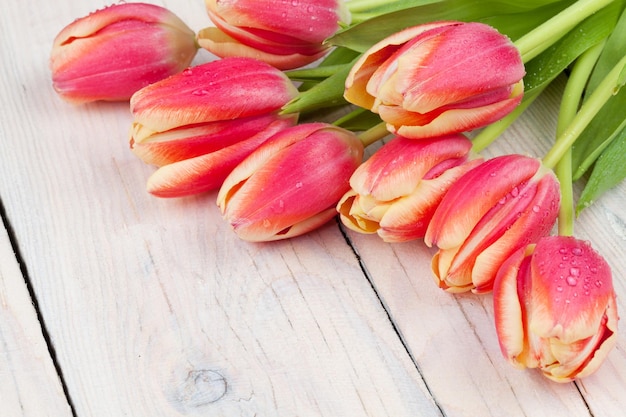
(493,174)
(536,209)
(515,192)
(598,283)
(200,92)
(563,251)
(298,184)
(559,288)
(502,200)
(187,71)
(577,251)
(571,281)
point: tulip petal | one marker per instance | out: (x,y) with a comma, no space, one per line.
(207,172)
(212,91)
(569,310)
(509,314)
(224,46)
(473,195)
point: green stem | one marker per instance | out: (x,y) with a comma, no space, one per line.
(373,134)
(543,36)
(603,92)
(569,107)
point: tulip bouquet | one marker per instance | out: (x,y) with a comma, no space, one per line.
(443,79)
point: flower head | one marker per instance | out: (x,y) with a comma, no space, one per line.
(113,52)
(285,34)
(438,78)
(503,204)
(290,184)
(199,124)
(396,191)
(555,308)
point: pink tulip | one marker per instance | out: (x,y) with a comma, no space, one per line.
(396,191)
(286,34)
(555,308)
(199,124)
(115,51)
(291,184)
(438,78)
(493,210)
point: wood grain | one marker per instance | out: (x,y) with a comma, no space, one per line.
(154,307)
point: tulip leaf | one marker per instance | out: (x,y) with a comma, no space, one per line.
(327,93)
(608,171)
(544,68)
(520,16)
(611,120)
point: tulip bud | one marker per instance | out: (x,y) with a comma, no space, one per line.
(115,51)
(438,78)
(506,203)
(290,184)
(199,124)
(555,308)
(396,191)
(285,34)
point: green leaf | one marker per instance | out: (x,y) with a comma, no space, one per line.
(327,93)
(544,68)
(608,171)
(522,16)
(611,119)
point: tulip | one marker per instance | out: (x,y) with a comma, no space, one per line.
(291,184)
(506,203)
(199,124)
(113,52)
(286,34)
(555,308)
(396,191)
(438,78)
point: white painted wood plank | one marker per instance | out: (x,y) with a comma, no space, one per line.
(30,385)
(154,307)
(452,338)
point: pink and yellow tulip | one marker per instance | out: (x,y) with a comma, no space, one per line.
(291,184)
(555,308)
(506,203)
(396,191)
(199,124)
(438,78)
(113,52)
(285,34)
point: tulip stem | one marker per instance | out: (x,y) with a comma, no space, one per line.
(543,36)
(609,86)
(572,94)
(373,134)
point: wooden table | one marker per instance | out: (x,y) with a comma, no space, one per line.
(116,303)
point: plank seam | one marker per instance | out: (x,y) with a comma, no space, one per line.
(31,292)
(387,313)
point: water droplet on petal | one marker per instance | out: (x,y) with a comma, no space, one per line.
(577,251)
(574,272)
(536,209)
(559,288)
(598,283)
(571,281)
(563,251)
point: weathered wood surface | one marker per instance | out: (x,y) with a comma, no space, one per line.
(148,307)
